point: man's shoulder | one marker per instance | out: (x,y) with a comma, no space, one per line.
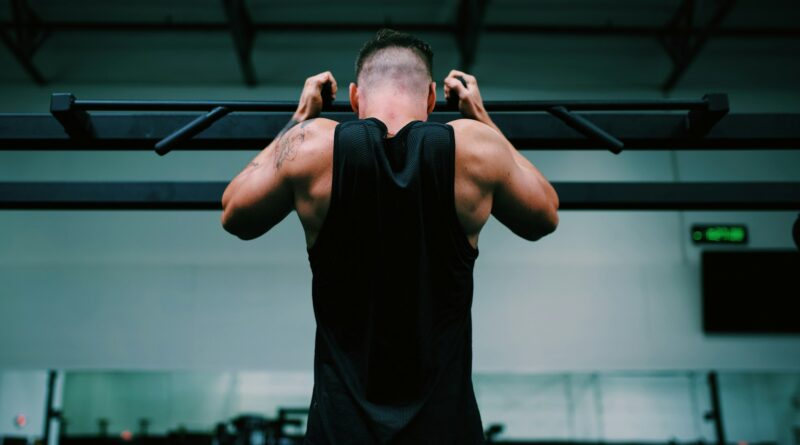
(314,134)
(306,147)
(472,129)
(476,140)
(319,125)
(480,150)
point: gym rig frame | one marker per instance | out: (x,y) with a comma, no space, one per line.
(703,124)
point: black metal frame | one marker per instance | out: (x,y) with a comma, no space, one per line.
(51,413)
(683,41)
(73,114)
(715,414)
(28,35)
(573,196)
(610,30)
(469,21)
(72,127)
(243,34)
(528,124)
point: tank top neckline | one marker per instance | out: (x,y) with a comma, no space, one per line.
(385,130)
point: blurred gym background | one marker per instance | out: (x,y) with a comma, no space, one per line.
(159,326)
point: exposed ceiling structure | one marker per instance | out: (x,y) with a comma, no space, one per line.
(265,41)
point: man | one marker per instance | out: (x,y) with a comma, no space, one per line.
(392,207)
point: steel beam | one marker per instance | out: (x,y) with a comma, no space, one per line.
(527,131)
(28,37)
(345,27)
(715,415)
(682,45)
(469,20)
(490,105)
(573,196)
(241,28)
(51,413)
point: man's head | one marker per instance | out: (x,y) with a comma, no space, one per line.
(394,63)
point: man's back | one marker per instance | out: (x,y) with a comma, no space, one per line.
(392,293)
(480,163)
(392,217)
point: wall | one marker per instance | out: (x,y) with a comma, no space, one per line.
(170,290)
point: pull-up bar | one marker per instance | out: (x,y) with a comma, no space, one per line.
(73,114)
(340,106)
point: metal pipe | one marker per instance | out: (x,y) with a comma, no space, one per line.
(526,131)
(496,106)
(499,28)
(50,412)
(716,407)
(588,129)
(625,196)
(191,129)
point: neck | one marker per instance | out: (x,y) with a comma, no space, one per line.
(394,110)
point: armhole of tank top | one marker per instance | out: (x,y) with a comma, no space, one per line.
(462,235)
(331,204)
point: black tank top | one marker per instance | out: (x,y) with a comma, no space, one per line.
(392,293)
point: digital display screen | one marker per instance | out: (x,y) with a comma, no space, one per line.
(719,234)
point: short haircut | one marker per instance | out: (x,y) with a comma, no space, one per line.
(396,46)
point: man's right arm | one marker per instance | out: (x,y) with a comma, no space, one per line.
(522,198)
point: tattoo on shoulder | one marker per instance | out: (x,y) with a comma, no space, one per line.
(289,139)
(287,146)
(254,164)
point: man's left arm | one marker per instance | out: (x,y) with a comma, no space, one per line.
(261,195)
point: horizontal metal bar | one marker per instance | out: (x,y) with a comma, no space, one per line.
(504,28)
(573,196)
(637,31)
(496,106)
(679,196)
(111,195)
(527,131)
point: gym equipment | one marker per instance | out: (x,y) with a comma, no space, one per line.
(703,124)
(73,115)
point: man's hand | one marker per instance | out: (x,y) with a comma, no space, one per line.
(470,103)
(310,104)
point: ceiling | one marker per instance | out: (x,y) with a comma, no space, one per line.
(563,44)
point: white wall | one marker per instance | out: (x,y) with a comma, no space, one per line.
(171,290)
